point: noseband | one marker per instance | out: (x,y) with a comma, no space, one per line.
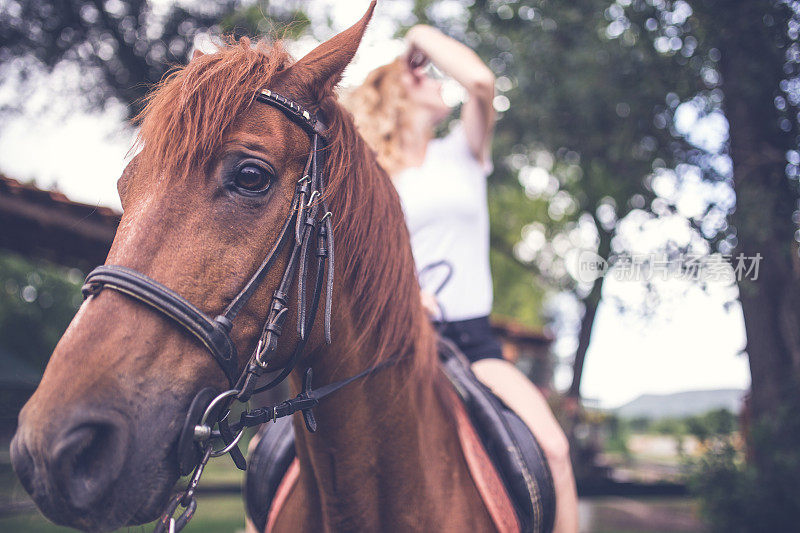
(308,217)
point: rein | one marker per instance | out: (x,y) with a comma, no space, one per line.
(309,217)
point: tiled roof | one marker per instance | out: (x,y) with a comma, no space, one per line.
(47,224)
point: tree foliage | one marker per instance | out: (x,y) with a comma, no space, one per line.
(741,496)
(587,125)
(613,110)
(122,47)
(37,302)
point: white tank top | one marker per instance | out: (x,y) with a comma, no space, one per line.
(446,210)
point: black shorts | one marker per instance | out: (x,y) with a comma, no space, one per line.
(474,337)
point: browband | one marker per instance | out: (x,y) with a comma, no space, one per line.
(294,112)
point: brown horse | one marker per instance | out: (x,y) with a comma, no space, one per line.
(96,442)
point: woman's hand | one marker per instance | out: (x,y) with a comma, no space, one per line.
(416,58)
(426,43)
(458,61)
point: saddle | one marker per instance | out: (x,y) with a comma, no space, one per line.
(515,456)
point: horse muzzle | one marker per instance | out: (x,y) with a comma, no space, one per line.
(72,471)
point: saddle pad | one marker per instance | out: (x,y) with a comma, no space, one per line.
(505,460)
(286,486)
(483,473)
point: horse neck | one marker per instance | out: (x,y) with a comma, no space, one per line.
(371,457)
(370,460)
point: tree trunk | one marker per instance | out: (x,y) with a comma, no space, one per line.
(591,302)
(751,39)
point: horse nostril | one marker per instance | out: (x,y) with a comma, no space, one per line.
(86,460)
(22,462)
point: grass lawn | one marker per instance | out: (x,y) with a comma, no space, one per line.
(215,514)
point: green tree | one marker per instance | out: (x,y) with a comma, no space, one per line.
(594,87)
(37,302)
(714,424)
(122,47)
(739,496)
(756,54)
(759,66)
(589,127)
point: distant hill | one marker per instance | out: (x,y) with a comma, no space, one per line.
(682,404)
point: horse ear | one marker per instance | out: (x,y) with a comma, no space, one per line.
(197,53)
(324,65)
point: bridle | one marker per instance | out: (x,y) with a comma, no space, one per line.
(307,203)
(308,218)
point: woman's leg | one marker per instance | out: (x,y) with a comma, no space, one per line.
(522,397)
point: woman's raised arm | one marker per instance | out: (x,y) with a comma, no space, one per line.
(463,65)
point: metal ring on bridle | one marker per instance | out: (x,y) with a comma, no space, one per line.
(230,446)
(207,414)
(214,403)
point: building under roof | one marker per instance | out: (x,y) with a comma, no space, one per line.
(46,224)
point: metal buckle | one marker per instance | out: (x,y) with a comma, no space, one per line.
(260,351)
(312,197)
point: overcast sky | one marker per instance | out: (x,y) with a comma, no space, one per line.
(691,342)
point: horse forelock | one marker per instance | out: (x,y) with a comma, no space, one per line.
(188,113)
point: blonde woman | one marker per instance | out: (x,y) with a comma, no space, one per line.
(442,184)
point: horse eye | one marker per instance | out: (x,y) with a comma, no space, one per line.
(252,178)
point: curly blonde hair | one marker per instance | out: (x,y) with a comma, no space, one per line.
(381,110)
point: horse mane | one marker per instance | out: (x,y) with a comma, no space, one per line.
(183,124)
(370,224)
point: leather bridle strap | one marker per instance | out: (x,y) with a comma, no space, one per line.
(308,202)
(213,333)
(294,112)
(304,401)
(239,301)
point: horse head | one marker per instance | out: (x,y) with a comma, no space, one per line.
(204,201)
